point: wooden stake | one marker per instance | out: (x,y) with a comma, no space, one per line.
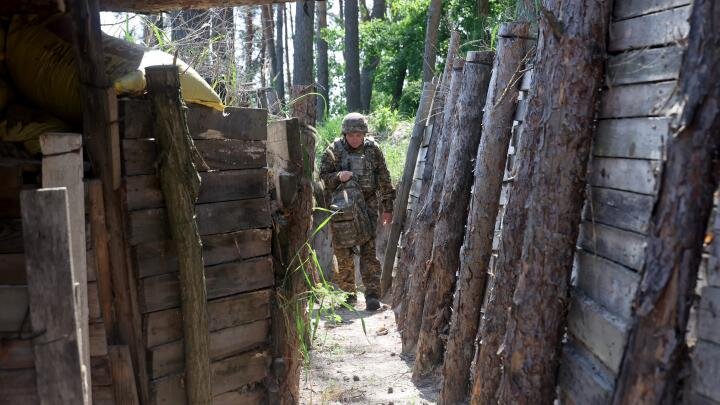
(180,183)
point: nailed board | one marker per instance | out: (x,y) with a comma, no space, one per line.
(706,369)
(638,138)
(583,380)
(13,308)
(623,247)
(150,225)
(228,375)
(153,258)
(665,27)
(144,191)
(638,100)
(709,315)
(169,358)
(621,209)
(607,283)
(163,292)
(633,8)
(140,155)
(635,175)
(600,331)
(166,326)
(644,65)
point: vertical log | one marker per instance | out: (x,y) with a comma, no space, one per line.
(432,25)
(98,232)
(559,123)
(512,49)
(180,183)
(279,78)
(655,351)
(448,235)
(401,200)
(417,243)
(323,72)
(59,368)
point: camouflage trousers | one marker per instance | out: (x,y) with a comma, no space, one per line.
(369,265)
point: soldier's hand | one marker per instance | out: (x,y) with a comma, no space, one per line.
(387,217)
(344,176)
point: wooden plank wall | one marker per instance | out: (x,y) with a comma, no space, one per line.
(624,172)
(233,214)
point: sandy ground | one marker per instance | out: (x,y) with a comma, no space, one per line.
(348,366)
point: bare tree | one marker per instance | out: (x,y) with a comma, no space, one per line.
(431,38)
(372,61)
(279,53)
(351,54)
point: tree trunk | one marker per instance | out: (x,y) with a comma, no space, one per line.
(323,75)
(367,76)
(279,53)
(399,83)
(303,43)
(512,49)
(403,192)
(448,236)
(654,355)
(287,46)
(269,40)
(566,109)
(351,54)
(180,183)
(525,11)
(484,8)
(249,39)
(417,253)
(431,39)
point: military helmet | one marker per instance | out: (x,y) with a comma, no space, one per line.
(354,122)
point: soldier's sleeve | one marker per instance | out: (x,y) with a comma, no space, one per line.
(386,191)
(329,170)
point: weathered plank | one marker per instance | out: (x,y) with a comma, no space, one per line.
(638,100)
(153,258)
(100,369)
(601,332)
(123,379)
(150,225)
(13,308)
(59,358)
(98,339)
(607,283)
(633,8)
(163,292)
(103,395)
(16,354)
(11,236)
(583,380)
(135,118)
(12,269)
(709,315)
(18,387)
(169,358)
(639,138)
(665,27)
(99,260)
(95,315)
(166,326)
(140,155)
(228,374)
(644,65)
(626,248)
(144,191)
(636,175)
(254,396)
(706,369)
(621,209)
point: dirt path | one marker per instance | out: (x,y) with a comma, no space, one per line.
(350,367)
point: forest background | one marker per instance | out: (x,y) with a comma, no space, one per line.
(365,57)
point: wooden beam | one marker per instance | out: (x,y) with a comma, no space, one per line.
(42,7)
(59,362)
(156,6)
(122,375)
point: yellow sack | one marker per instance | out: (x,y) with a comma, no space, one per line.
(25,124)
(42,65)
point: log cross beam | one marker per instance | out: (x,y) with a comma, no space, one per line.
(180,183)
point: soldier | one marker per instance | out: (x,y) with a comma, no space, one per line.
(364,162)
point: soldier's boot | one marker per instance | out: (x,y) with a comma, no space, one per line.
(370,271)
(345,276)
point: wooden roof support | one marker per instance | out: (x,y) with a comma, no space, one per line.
(156,6)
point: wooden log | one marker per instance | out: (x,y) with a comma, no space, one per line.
(163,292)
(150,225)
(645,65)
(607,283)
(180,184)
(634,8)
(651,367)
(102,256)
(417,243)
(59,360)
(619,209)
(638,100)
(166,326)
(155,258)
(403,192)
(661,28)
(123,381)
(537,314)
(512,49)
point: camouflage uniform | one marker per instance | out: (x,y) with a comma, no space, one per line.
(367,164)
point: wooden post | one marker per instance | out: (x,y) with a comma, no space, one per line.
(653,360)
(123,380)
(180,183)
(512,49)
(401,200)
(98,232)
(417,243)
(560,124)
(448,236)
(59,367)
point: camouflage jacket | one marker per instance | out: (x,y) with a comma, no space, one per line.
(369,169)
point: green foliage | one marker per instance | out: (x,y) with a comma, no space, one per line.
(395,150)
(383,121)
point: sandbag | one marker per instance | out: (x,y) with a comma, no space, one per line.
(26,124)
(41,62)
